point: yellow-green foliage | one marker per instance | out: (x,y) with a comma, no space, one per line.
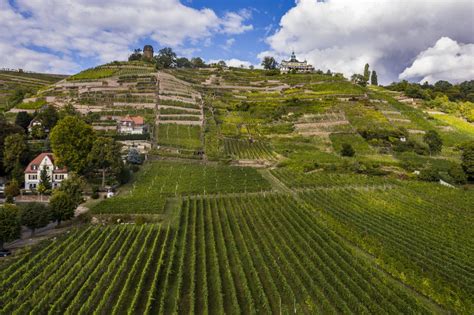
(457,123)
(93,74)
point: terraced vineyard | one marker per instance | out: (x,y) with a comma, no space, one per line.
(161,180)
(227,255)
(246,149)
(10,81)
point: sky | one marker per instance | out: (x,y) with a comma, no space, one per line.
(416,40)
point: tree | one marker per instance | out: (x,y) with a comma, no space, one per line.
(183,63)
(359,79)
(10,228)
(15,149)
(48,115)
(12,190)
(269,63)
(23,119)
(37,132)
(166,58)
(62,206)
(133,156)
(68,110)
(71,141)
(34,215)
(73,186)
(373,78)
(136,55)
(6,129)
(347,150)
(197,62)
(44,185)
(222,64)
(434,141)
(467,159)
(366,72)
(105,155)
(457,174)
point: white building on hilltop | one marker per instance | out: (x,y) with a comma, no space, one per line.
(44,161)
(295,65)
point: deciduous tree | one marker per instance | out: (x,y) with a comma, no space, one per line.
(62,206)
(105,155)
(434,141)
(71,141)
(34,215)
(15,148)
(10,228)
(467,159)
(23,119)
(269,63)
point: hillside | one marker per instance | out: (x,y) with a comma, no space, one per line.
(247,204)
(16,85)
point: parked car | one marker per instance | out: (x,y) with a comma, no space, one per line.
(5,252)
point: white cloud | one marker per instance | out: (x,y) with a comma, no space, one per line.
(232,23)
(233,62)
(228,43)
(107,30)
(446,60)
(343,35)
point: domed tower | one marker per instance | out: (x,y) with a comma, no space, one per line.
(148,52)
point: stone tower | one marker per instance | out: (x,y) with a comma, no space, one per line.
(148,52)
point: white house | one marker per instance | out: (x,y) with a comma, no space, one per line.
(33,123)
(132,125)
(44,161)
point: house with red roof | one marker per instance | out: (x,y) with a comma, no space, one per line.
(44,161)
(132,125)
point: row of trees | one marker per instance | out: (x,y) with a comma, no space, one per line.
(455,92)
(166,58)
(36,215)
(363,79)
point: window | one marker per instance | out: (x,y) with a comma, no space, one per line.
(33,177)
(59,177)
(34,167)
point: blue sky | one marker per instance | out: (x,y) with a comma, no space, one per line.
(341,35)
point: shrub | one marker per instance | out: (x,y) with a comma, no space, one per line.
(429,174)
(347,150)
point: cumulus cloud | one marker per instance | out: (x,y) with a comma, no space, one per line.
(233,62)
(343,35)
(232,22)
(446,60)
(107,30)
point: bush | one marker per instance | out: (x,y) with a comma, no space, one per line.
(429,174)
(95,192)
(347,150)
(457,174)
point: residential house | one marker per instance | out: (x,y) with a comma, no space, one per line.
(132,125)
(44,161)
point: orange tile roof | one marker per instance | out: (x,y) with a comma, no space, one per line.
(137,120)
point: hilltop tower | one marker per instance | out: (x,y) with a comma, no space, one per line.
(148,52)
